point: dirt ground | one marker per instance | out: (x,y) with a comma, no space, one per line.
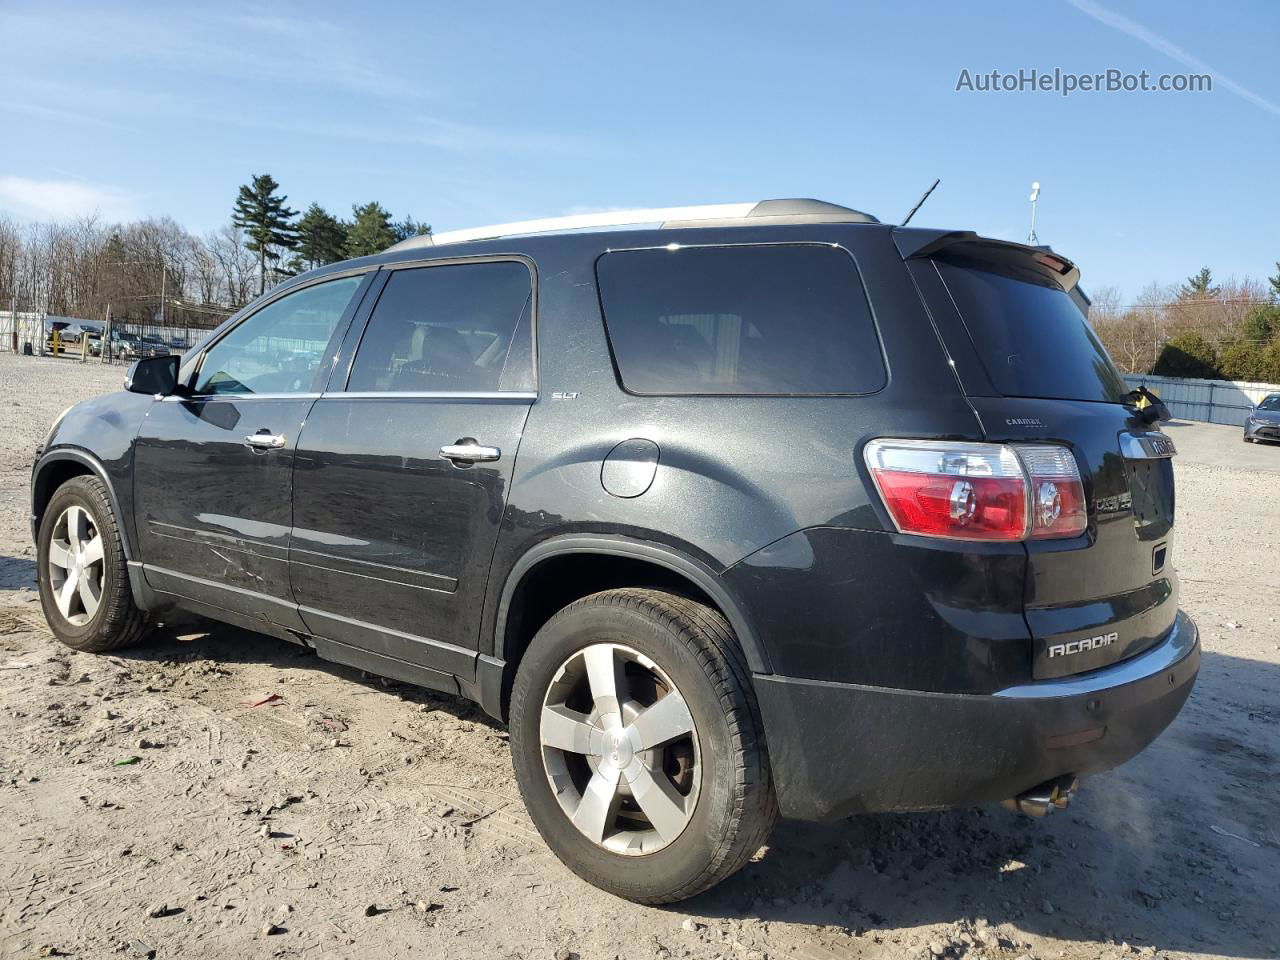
(353,818)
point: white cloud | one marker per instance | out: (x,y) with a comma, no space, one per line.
(1156,42)
(33,199)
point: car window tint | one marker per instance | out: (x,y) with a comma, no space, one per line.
(779,320)
(1032,338)
(279,348)
(447,329)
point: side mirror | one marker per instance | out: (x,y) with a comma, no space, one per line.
(154,375)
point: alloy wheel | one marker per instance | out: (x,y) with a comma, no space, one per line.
(77,571)
(620,749)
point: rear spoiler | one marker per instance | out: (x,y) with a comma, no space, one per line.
(916,243)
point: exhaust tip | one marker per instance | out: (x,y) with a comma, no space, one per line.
(1040,801)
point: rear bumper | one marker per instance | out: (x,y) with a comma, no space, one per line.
(839,749)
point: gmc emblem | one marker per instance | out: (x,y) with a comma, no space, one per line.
(1080,646)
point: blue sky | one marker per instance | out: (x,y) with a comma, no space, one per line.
(466,113)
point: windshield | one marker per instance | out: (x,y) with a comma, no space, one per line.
(1270,403)
(1032,338)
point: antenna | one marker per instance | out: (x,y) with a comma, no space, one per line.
(1032,239)
(920,202)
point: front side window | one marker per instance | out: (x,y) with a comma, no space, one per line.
(455,328)
(777,320)
(279,348)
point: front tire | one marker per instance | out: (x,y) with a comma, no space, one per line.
(638,747)
(83,576)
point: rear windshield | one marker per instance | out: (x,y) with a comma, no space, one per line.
(1031,336)
(778,320)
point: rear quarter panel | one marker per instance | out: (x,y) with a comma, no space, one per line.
(735,475)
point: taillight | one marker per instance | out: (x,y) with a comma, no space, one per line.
(1057,495)
(978,491)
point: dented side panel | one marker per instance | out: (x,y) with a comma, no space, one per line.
(212,508)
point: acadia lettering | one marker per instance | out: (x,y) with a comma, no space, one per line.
(1080,646)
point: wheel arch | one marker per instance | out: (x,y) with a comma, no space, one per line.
(57,467)
(627,562)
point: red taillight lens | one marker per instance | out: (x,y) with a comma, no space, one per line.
(974,508)
(978,491)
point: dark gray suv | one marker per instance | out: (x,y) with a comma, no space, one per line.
(758,509)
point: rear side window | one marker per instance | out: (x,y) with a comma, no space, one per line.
(1031,336)
(765,320)
(456,328)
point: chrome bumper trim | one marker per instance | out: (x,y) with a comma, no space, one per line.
(1182,639)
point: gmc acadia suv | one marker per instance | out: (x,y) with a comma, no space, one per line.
(752,510)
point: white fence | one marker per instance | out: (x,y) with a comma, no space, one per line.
(19,329)
(1213,401)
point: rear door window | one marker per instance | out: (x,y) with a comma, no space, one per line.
(787,320)
(455,328)
(1030,335)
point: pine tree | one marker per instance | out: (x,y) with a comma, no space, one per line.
(1187,355)
(370,231)
(266,221)
(1261,324)
(322,237)
(1275,283)
(409,227)
(1199,286)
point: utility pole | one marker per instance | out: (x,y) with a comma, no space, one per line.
(1032,239)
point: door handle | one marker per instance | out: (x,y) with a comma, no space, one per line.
(467,451)
(265,441)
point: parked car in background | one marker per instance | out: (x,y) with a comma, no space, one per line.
(1263,422)
(121,345)
(651,496)
(154,345)
(68,337)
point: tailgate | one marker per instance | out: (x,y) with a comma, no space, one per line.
(1014,325)
(1110,593)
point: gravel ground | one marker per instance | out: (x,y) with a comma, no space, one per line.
(351,818)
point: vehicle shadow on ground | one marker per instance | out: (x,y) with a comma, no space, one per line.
(1177,850)
(17,572)
(1132,860)
(188,638)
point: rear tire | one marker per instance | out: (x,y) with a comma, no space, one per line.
(687,793)
(83,576)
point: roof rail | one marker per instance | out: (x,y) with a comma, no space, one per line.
(705,215)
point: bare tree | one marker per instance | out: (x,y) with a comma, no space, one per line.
(146,270)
